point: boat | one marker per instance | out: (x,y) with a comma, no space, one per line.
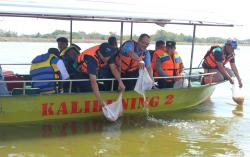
(36,107)
(26,106)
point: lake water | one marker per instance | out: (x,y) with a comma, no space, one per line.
(217,127)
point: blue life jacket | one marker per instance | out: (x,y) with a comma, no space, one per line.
(44,68)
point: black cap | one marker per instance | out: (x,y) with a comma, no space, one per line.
(170,44)
(62,39)
(106,50)
(54,51)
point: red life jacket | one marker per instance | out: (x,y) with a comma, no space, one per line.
(171,66)
(92,51)
(209,58)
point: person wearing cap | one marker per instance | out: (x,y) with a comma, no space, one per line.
(215,60)
(62,43)
(48,66)
(167,63)
(69,56)
(105,71)
(132,57)
(91,61)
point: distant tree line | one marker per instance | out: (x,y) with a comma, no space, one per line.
(7,34)
(159,35)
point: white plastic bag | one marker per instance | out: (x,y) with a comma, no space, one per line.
(113,111)
(237,93)
(181,83)
(144,82)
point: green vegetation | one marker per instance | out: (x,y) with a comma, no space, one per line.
(7,34)
(94,36)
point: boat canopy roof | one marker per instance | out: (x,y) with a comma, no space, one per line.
(91,10)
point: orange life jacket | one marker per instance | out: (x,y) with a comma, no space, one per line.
(92,51)
(209,58)
(171,66)
(126,63)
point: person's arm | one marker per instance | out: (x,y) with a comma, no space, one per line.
(150,72)
(223,71)
(219,63)
(159,69)
(128,49)
(147,60)
(91,70)
(236,73)
(134,56)
(95,89)
(62,69)
(181,67)
(117,76)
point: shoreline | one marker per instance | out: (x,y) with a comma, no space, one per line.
(16,39)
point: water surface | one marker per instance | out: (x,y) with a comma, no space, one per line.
(217,127)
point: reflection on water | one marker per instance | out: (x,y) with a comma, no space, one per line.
(193,132)
(238,110)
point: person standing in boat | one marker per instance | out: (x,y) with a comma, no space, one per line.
(134,55)
(48,66)
(69,56)
(166,63)
(3,87)
(91,61)
(215,60)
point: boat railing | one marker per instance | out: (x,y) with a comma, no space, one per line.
(26,83)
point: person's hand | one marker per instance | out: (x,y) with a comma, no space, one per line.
(121,86)
(154,85)
(100,102)
(231,80)
(141,64)
(240,83)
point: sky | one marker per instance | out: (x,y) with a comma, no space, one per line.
(213,10)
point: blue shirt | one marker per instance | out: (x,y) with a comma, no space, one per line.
(130,46)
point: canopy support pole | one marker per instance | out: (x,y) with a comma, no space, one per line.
(131,31)
(71,24)
(121,34)
(121,40)
(191,60)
